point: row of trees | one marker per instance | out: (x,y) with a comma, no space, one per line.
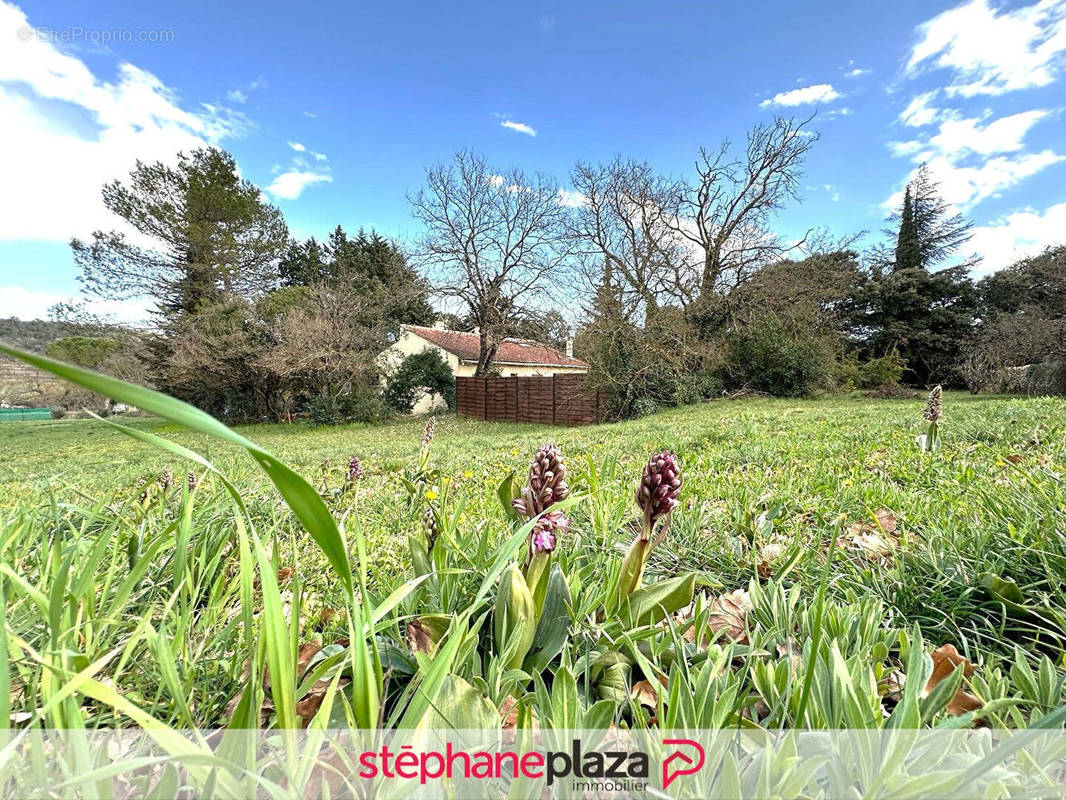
(248,322)
(679,286)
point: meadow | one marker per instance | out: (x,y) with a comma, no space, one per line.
(767,485)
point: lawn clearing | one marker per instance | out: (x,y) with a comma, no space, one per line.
(153,577)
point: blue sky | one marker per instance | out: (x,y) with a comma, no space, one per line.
(335,111)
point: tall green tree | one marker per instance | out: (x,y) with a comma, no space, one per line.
(908,252)
(203,234)
(196,235)
(916,306)
(367,262)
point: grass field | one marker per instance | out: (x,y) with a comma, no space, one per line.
(151,595)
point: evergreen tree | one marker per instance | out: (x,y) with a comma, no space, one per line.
(925,313)
(212,236)
(368,263)
(908,252)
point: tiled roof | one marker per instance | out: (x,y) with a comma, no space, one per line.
(512,351)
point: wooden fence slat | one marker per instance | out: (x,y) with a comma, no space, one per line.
(556,399)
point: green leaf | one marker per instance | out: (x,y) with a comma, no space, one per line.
(565,711)
(649,604)
(554,625)
(299,495)
(507,491)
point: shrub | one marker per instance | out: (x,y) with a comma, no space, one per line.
(422,372)
(880,371)
(769,356)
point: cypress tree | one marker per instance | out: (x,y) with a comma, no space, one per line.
(908,251)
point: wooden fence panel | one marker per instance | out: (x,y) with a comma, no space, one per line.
(558,399)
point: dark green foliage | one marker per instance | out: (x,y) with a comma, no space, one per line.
(908,252)
(422,372)
(927,317)
(924,313)
(770,356)
(361,404)
(1022,325)
(366,263)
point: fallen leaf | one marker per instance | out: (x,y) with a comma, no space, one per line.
(1013,458)
(875,539)
(645,694)
(946,659)
(728,616)
(284,574)
(304,655)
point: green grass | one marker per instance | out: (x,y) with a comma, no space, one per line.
(169,639)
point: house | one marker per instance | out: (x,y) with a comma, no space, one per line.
(515,357)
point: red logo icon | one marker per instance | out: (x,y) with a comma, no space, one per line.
(683,761)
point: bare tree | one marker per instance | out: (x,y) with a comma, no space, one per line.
(620,226)
(725,211)
(330,345)
(494,241)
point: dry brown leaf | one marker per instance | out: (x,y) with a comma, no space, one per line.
(308,705)
(728,616)
(509,715)
(946,659)
(285,573)
(646,694)
(1013,458)
(304,655)
(877,541)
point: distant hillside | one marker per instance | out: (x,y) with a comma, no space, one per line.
(35,335)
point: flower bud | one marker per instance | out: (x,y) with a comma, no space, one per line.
(427,434)
(547,476)
(660,486)
(355,469)
(934,406)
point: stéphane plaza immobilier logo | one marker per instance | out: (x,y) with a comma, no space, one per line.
(607,768)
(536,763)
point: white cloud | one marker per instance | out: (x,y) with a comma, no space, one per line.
(967,185)
(1004,135)
(571,199)
(290,185)
(236,96)
(25,304)
(1018,235)
(299,148)
(993,51)
(818,93)
(833,192)
(919,112)
(967,156)
(318,156)
(857,72)
(520,127)
(54,165)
